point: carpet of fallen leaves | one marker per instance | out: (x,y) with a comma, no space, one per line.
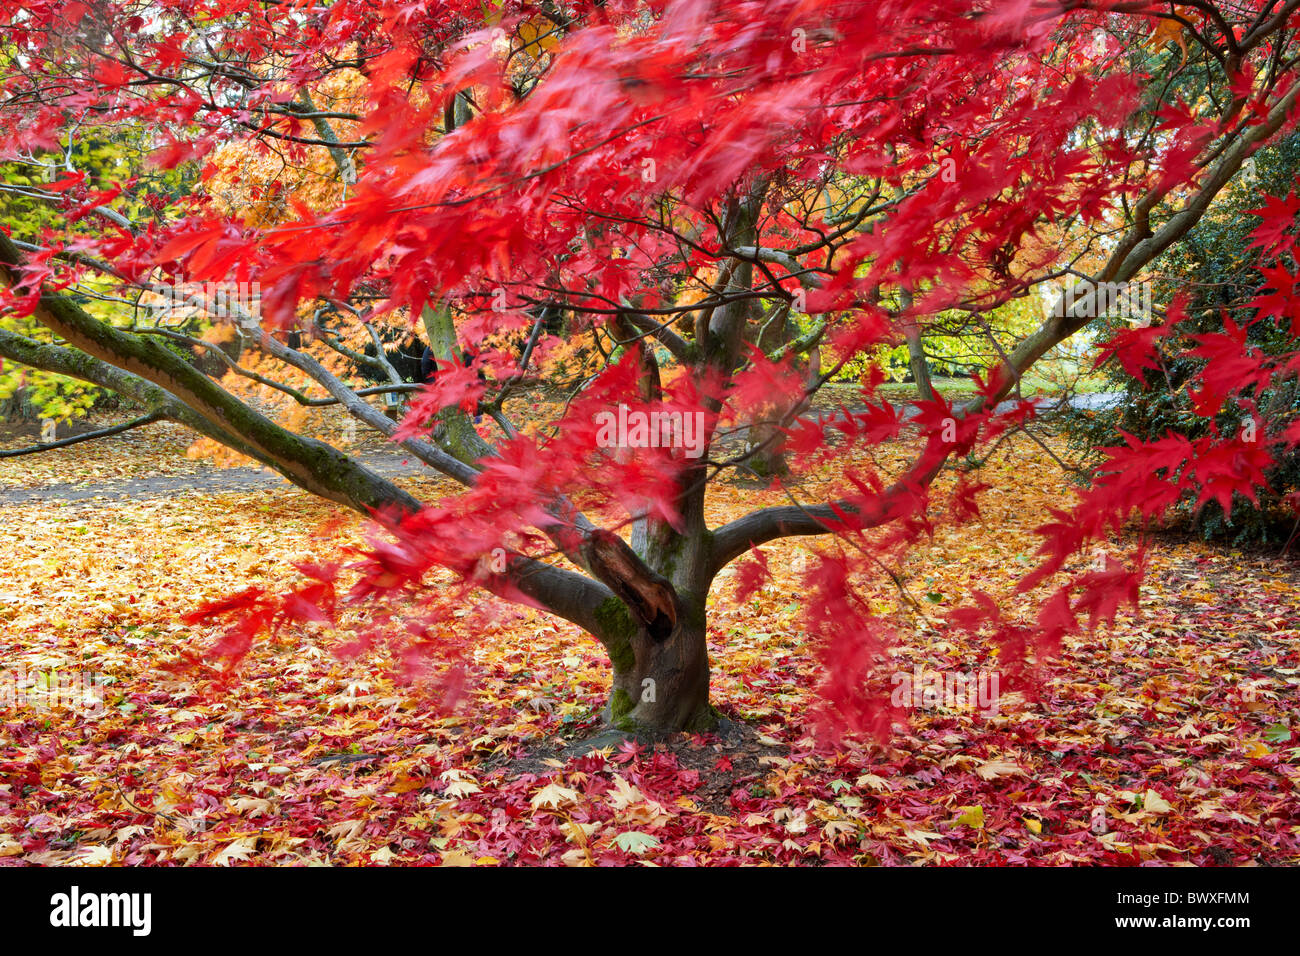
(1169,738)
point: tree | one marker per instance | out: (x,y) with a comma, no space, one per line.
(681,178)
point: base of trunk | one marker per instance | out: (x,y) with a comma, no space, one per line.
(624,718)
(666,688)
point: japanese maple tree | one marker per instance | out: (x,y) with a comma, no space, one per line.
(745,197)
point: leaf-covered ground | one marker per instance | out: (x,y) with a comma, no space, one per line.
(1170,738)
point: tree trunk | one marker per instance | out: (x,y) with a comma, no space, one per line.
(916,351)
(768,459)
(662,687)
(18,408)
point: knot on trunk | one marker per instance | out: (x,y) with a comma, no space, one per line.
(649,596)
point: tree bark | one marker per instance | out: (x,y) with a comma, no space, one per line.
(661,686)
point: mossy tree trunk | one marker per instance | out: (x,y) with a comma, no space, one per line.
(661,684)
(654,626)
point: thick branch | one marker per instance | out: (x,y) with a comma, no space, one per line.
(65,361)
(649,596)
(310,464)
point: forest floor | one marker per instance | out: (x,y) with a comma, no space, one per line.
(1172,737)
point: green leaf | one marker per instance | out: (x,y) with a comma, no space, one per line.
(633,841)
(1277,734)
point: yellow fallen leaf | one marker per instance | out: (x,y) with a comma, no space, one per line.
(971,816)
(406,785)
(872,781)
(554,796)
(992,769)
(1152,802)
(240,849)
(623,794)
(94,856)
